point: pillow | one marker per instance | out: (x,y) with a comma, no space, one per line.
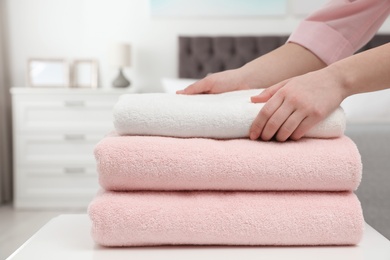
(372,107)
(171,85)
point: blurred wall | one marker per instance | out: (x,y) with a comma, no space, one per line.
(75,29)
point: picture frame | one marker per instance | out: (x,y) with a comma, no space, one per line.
(42,73)
(85,73)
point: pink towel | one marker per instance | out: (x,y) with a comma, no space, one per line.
(164,163)
(226,218)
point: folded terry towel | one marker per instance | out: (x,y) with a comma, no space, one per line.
(226,218)
(220,116)
(165,163)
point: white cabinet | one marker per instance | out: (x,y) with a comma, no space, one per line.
(54,133)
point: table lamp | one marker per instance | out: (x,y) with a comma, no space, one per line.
(120,58)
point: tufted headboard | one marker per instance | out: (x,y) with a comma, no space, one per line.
(201,55)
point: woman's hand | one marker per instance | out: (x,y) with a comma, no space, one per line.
(295,105)
(225,81)
(285,62)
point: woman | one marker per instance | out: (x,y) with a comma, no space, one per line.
(308,77)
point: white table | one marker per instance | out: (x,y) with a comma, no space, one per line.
(68,237)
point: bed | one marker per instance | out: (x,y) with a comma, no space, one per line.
(368,115)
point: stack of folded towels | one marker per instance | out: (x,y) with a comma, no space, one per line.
(182,170)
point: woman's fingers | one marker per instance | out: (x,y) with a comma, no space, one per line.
(264,115)
(290,126)
(304,127)
(275,122)
(272,105)
(262,97)
(268,93)
(196,88)
(215,83)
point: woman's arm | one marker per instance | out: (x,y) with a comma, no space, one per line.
(282,63)
(365,72)
(341,27)
(296,105)
(332,33)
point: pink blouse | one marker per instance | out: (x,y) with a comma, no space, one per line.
(341,27)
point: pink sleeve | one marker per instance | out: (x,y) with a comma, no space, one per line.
(341,27)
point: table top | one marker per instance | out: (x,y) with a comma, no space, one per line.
(68,237)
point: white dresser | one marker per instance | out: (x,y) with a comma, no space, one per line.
(54,133)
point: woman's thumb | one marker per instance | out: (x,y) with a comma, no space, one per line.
(268,93)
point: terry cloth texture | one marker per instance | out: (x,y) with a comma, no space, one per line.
(163,163)
(226,218)
(220,116)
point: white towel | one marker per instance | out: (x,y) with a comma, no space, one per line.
(220,116)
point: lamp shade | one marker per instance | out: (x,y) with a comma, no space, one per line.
(120,55)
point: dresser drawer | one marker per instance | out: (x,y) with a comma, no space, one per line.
(60,170)
(68,114)
(56,148)
(62,180)
(54,135)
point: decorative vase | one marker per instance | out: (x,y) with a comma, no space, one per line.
(120,81)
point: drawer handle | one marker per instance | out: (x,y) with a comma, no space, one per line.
(74,170)
(74,137)
(74,103)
